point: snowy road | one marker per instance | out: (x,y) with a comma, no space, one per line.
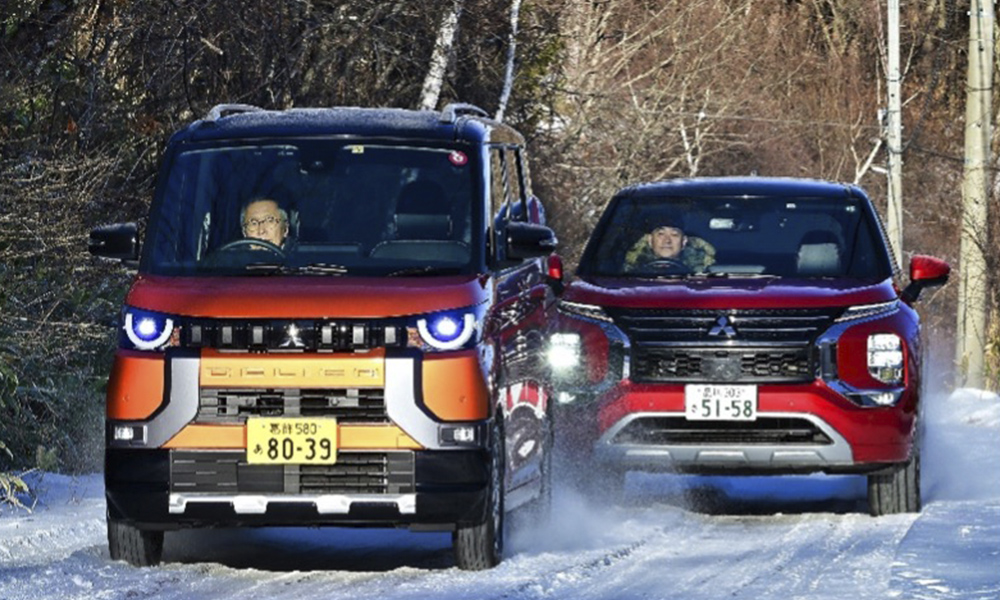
(672,537)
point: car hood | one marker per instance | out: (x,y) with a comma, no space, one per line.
(727,293)
(277,297)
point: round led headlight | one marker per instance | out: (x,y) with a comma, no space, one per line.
(147,330)
(447,331)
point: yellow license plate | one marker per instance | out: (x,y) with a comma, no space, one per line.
(291,441)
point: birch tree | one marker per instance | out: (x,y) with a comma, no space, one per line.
(431,89)
(508,80)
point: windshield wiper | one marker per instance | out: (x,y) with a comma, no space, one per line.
(409,271)
(310,269)
(323,269)
(266,268)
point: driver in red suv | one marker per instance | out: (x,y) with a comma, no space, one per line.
(743,326)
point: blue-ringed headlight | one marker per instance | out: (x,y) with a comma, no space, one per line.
(447,330)
(147,330)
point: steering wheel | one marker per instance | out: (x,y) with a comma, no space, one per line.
(671,265)
(240,243)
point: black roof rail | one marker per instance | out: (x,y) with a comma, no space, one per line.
(452,111)
(221,110)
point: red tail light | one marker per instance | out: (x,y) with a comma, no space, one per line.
(555,266)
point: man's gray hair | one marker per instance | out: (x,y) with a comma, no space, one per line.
(243,211)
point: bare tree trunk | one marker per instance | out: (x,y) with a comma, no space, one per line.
(972,293)
(508,80)
(439,59)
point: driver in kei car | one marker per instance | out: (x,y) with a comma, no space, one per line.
(263,219)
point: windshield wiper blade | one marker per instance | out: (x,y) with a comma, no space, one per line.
(425,271)
(265,268)
(323,269)
(310,269)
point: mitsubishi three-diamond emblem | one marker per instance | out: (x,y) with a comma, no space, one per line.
(722,327)
(292,339)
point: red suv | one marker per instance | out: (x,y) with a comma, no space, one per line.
(745,326)
(334,322)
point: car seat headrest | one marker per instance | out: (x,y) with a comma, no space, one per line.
(422,197)
(414,226)
(819,254)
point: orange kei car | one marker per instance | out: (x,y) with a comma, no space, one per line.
(334,322)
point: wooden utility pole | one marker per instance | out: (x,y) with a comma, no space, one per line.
(894,136)
(972,293)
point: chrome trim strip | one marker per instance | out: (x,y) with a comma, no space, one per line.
(750,455)
(325,504)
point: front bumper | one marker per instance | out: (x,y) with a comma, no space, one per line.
(162,489)
(799,428)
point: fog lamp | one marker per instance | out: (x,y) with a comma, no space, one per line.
(128,433)
(458,434)
(564,351)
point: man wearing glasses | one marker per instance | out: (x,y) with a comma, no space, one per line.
(263,219)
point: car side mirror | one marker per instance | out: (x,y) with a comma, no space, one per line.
(529,240)
(925,272)
(116,242)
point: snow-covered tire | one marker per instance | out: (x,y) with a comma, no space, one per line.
(480,546)
(133,545)
(897,490)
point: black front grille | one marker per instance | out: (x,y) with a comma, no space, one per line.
(724,346)
(666,431)
(227,472)
(653,327)
(713,365)
(361,405)
(268,335)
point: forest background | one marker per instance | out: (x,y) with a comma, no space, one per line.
(607,92)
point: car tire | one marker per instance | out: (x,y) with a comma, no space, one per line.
(536,512)
(480,546)
(897,490)
(135,546)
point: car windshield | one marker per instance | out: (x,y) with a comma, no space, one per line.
(676,237)
(324,207)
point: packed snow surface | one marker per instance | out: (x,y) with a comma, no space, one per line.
(807,537)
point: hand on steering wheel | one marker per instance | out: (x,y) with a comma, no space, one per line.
(672,265)
(250,242)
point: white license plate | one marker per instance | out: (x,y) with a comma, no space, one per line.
(720,402)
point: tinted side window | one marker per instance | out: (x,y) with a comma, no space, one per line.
(515,178)
(499,198)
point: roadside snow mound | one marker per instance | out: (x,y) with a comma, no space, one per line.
(976,407)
